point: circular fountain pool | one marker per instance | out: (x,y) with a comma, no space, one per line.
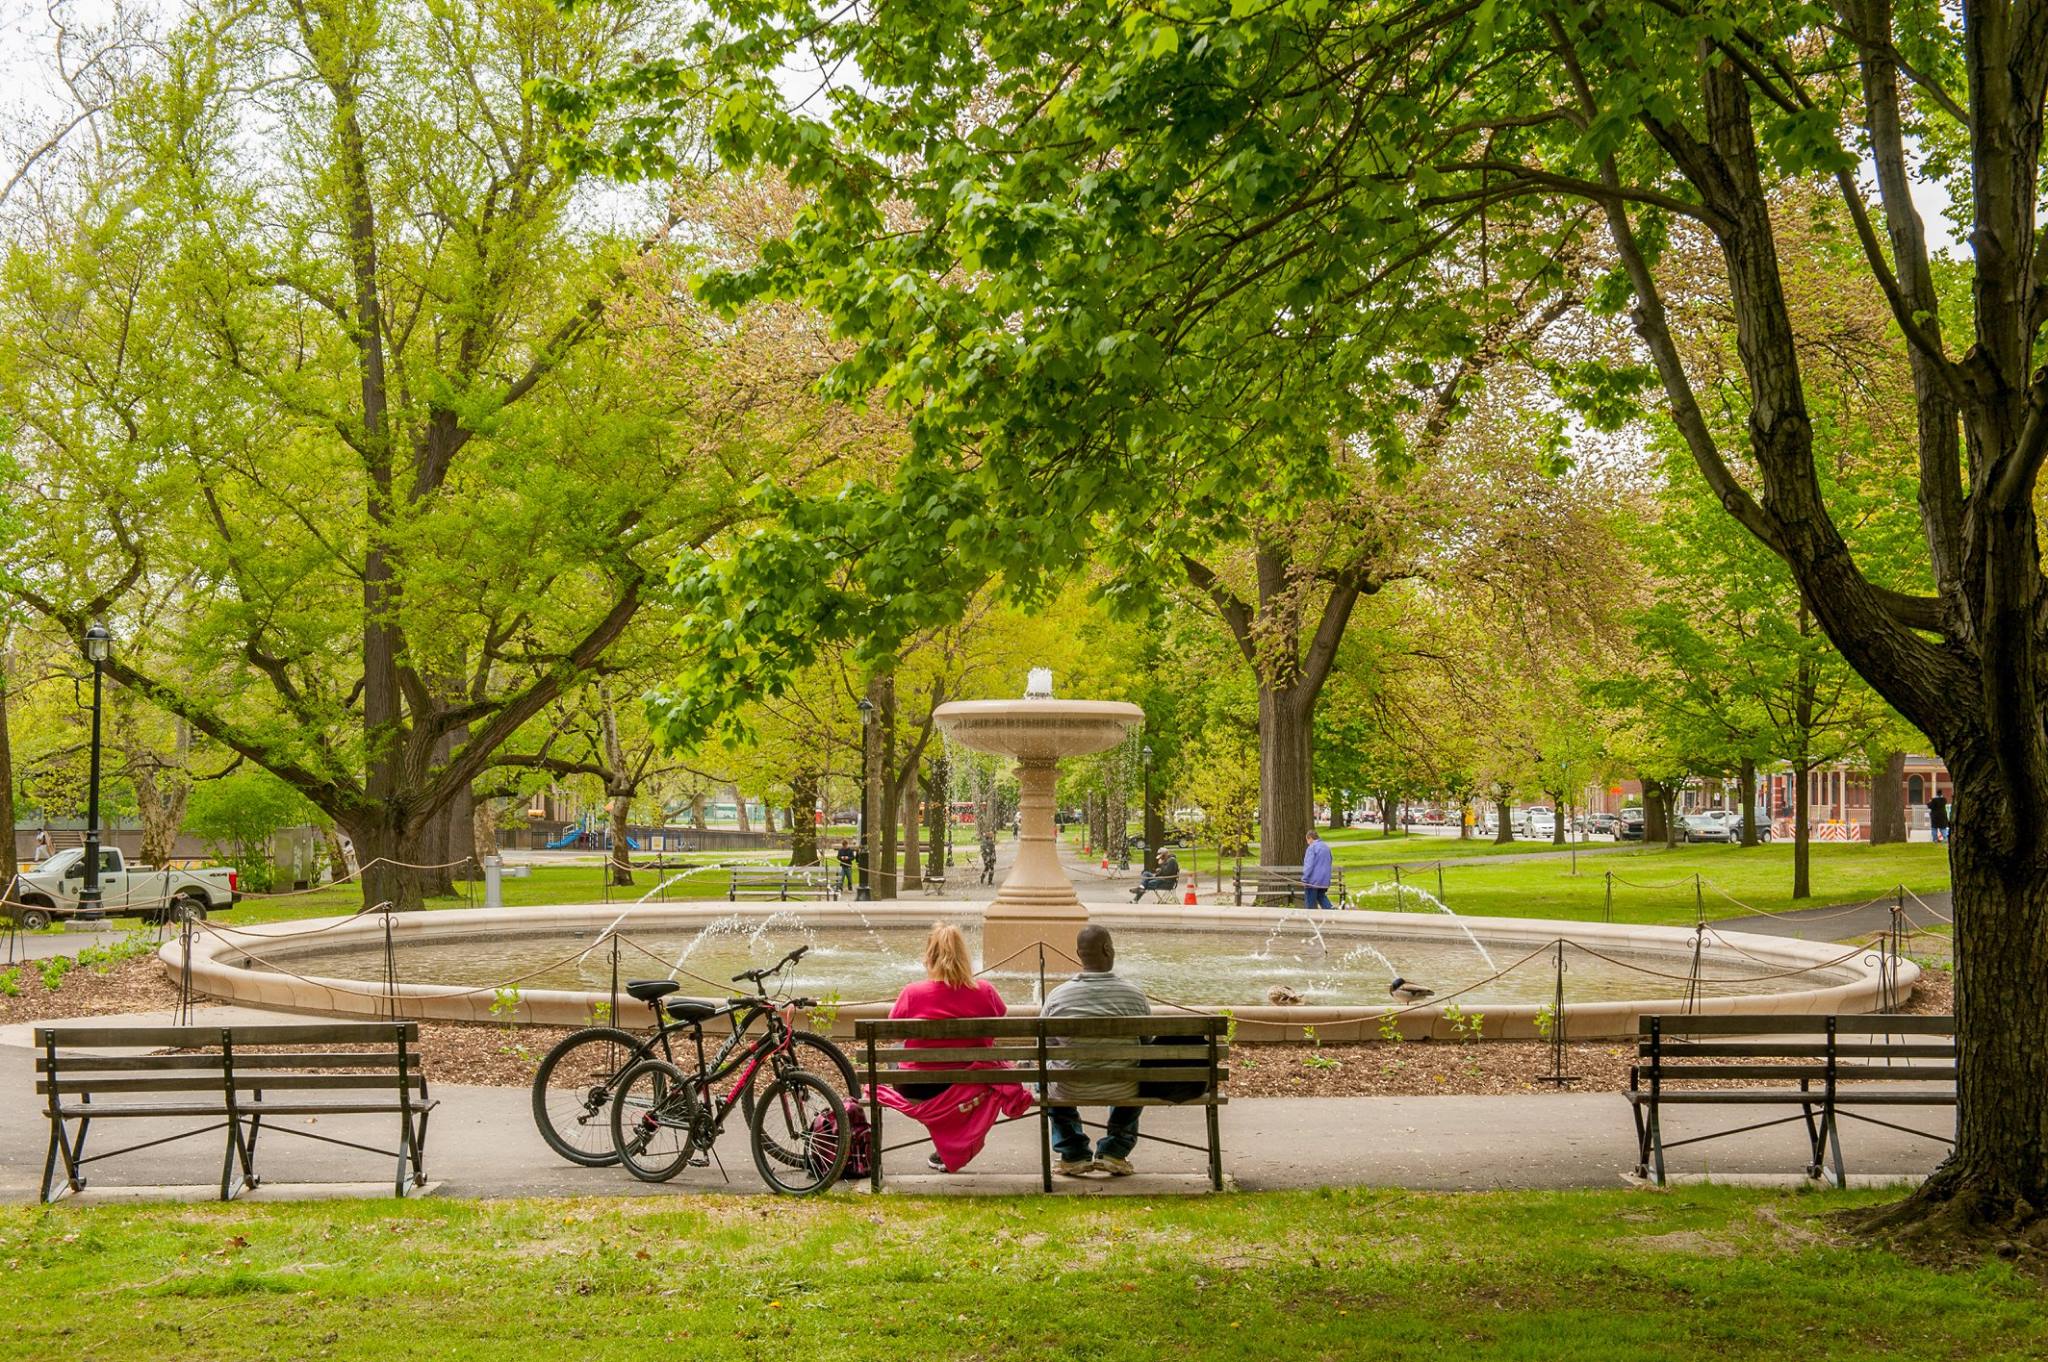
(456,964)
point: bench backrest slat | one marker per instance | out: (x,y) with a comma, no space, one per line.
(1079,1027)
(243,1082)
(296,1059)
(208,1037)
(902,1054)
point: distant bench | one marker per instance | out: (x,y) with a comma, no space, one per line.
(1031,1045)
(215,1074)
(782,882)
(1823,1065)
(1258,884)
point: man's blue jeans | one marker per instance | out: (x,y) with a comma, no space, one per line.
(846,874)
(1315,896)
(1070,1138)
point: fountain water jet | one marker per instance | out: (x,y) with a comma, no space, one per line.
(1036,904)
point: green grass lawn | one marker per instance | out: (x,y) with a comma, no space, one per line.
(1586,1276)
(1367,846)
(1655,885)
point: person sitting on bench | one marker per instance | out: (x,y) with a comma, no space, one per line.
(958,1115)
(1164,876)
(1097,991)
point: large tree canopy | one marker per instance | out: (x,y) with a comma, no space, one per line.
(1103,251)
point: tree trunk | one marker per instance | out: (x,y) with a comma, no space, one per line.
(909,810)
(697,811)
(1340,810)
(1802,831)
(337,859)
(10,856)
(483,830)
(1999,1166)
(1656,812)
(1505,831)
(1557,821)
(1745,782)
(1464,820)
(386,853)
(938,819)
(739,806)
(1888,800)
(1153,825)
(803,828)
(1286,773)
(880,830)
(619,804)
(1387,801)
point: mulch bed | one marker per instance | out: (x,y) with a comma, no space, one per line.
(499,1056)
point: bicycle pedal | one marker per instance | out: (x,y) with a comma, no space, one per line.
(700,1161)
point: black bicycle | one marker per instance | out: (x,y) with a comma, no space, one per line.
(664,1117)
(573,1088)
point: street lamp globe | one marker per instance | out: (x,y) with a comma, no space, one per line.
(99,644)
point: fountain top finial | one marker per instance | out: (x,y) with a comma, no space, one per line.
(1038,684)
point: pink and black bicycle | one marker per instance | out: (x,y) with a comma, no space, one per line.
(665,1117)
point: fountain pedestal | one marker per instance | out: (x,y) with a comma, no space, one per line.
(1037,902)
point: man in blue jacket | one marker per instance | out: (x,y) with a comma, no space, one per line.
(1315,873)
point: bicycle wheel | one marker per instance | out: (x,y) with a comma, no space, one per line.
(814,1054)
(800,1134)
(653,1114)
(572,1093)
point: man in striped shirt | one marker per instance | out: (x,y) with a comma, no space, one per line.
(1097,991)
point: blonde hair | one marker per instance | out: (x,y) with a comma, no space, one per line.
(945,956)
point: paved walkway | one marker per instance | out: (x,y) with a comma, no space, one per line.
(482,1143)
(1842,921)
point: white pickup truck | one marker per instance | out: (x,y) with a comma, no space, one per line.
(50,889)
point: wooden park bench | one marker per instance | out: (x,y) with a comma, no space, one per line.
(1031,1046)
(782,882)
(1827,1067)
(1258,884)
(933,881)
(234,1077)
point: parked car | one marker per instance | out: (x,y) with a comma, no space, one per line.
(1722,825)
(1599,824)
(1628,825)
(1535,821)
(50,890)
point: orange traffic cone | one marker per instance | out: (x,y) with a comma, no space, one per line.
(1190,899)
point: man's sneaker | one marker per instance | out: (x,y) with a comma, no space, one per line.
(1116,1168)
(936,1164)
(1074,1168)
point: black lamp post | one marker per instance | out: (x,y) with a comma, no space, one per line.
(862,893)
(99,646)
(1151,828)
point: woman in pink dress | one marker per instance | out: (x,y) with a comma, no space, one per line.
(958,1115)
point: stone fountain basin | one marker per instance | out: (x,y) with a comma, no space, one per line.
(222,966)
(1037,730)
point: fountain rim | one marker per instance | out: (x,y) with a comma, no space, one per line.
(215,975)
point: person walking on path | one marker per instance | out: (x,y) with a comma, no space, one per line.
(1937,817)
(988,856)
(1316,873)
(42,845)
(1097,991)
(845,855)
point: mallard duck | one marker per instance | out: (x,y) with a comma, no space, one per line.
(1406,992)
(1280,995)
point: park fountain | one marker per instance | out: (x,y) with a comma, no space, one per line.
(1037,903)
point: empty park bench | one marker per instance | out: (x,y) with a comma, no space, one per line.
(933,881)
(781,882)
(1195,1053)
(233,1077)
(1258,884)
(1827,1067)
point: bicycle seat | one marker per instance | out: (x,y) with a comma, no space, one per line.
(691,1009)
(647,990)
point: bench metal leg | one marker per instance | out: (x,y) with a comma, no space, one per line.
(1657,1144)
(1835,1145)
(1816,1141)
(1215,1151)
(67,1148)
(419,1151)
(1044,1144)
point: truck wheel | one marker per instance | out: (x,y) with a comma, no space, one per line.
(187,908)
(31,919)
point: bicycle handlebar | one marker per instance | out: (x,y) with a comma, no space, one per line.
(755,976)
